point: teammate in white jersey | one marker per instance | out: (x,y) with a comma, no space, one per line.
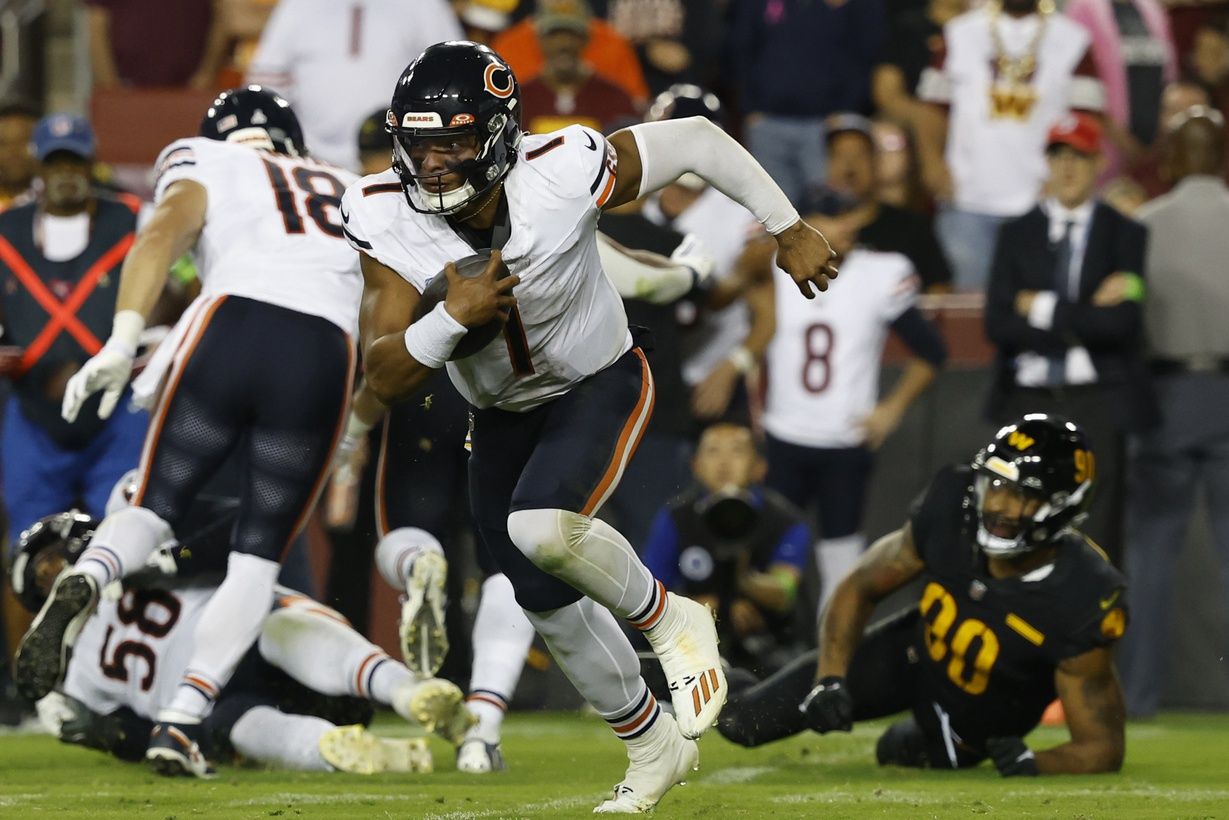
(263,365)
(822,413)
(562,399)
(297,701)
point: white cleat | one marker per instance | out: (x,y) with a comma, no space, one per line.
(424,638)
(658,764)
(476,756)
(437,705)
(355,750)
(686,644)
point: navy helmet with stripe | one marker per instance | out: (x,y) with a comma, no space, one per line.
(257,116)
(462,90)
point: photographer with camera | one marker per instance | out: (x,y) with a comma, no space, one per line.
(731,543)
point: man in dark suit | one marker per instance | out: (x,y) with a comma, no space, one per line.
(1063,309)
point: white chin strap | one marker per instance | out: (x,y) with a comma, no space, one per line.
(444,203)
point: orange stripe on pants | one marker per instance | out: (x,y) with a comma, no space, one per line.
(629,439)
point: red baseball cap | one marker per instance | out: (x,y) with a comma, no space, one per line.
(1076,130)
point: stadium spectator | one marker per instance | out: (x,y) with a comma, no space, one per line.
(1064,311)
(985,162)
(969,540)
(822,413)
(610,54)
(1135,58)
(138,43)
(853,172)
(243,21)
(796,62)
(1175,99)
(17,164)
(735,545)
(568,91)
(323,55)
(60,257)
(676,40)
(484,19)
(915,42)
(900,181)
(1188,296)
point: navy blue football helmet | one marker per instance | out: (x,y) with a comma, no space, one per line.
(455,89)
(257,116)
(45,548)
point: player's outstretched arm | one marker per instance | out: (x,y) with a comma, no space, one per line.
(1096,715)
(888,565)
(171,231)
(654,154)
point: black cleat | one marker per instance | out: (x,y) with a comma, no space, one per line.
(42,656)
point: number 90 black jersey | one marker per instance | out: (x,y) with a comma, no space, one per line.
(989,646)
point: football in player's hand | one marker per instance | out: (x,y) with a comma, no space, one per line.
(437,291)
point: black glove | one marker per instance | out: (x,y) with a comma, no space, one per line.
(829,706)
(1012,757)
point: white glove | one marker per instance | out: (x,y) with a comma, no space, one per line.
(109,369)
(692,253)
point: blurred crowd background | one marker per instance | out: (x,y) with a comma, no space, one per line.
(987,144)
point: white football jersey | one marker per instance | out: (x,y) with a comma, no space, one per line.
(573,318)
(823,362)
(337,62)
(133,652)
(273,228)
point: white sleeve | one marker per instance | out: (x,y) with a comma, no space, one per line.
(182,159)
(273,63)
(645,276)
(672,148)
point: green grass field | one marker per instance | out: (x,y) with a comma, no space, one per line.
(562,765)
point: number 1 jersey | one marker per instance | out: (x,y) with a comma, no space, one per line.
(273,228)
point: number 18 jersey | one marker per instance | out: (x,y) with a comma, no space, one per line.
(273,230)
(823,362)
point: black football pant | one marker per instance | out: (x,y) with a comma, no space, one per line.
(270,383)
(884,678)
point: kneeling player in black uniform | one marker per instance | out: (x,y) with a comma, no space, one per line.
(1016,606)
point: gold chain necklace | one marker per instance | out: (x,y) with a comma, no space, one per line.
(1017,70)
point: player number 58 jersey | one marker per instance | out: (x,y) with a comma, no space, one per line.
(273,229)
(823,361)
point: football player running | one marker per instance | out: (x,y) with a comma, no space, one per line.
(301,695)
(1017,605)
(560,402)
(263,365)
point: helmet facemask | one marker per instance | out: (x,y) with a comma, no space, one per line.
(1022,519)
(480,174)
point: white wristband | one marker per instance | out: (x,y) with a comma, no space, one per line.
(432,338)
(126,331)
(742,359)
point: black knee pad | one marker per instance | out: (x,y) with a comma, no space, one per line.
(903,744)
